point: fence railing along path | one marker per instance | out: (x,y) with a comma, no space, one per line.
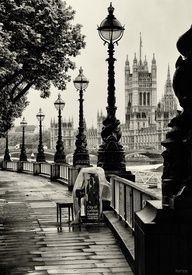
(127,196)
(64,172)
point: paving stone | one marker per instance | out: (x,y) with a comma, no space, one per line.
(79,271)
(114,264)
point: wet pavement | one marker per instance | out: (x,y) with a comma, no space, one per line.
(31,241)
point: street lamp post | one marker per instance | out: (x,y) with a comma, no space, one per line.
(40,155)
(111,156)
(81,155)
(59,155)
(23,155)
(6,154)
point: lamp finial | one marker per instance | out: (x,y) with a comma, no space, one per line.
(110,8)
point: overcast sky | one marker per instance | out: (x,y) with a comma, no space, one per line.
(160,22)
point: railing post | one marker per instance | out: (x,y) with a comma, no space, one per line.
(125,204)
(4,165)
(112,181)
(19,166)
(73,173)
(55,171)
(131,208)
(36,168)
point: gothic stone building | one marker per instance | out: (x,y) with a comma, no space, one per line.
(146,122)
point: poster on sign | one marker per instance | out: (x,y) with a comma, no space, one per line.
(92,205)
(90,188)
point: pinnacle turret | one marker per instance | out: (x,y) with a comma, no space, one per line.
(168,75)
(127,60)
(154,67)
(140,50)
(153,60)
(168,84)
(127,67)
(145,64)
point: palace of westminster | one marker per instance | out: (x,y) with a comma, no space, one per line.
(146,121)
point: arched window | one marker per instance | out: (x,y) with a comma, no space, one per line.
(144,98)
(148,98)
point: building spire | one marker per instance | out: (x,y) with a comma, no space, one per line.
(168,73)
(127,60)
(168,82)
(153,60)
(145,64)
(140,50)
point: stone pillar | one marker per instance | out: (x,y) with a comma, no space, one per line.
(36,168)
(54,171)
(163,241)
(19,167)
(73,173)
(4,165)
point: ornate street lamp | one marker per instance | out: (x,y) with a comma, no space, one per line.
(6,154)
(59,155)
(40,155)
(23,155)
(81,155)
(111,155)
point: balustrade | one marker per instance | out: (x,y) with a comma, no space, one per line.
(45,168)
(64,172)
(11,166)
(28,166)
(129,197)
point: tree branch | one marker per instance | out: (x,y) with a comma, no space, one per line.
(10,79)
(15,87)
(22,92)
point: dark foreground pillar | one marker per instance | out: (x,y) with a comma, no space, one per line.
(163,234)
(163,241)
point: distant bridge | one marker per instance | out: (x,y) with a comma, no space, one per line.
(140,155)
(49,155)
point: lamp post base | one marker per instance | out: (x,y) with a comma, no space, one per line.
(40,158)
(7,156)
(111,157)
(23,155)
(59,157)
(40,155)
(81,158)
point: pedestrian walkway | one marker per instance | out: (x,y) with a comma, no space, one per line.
(31,241)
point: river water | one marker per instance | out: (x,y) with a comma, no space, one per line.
(144,167)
